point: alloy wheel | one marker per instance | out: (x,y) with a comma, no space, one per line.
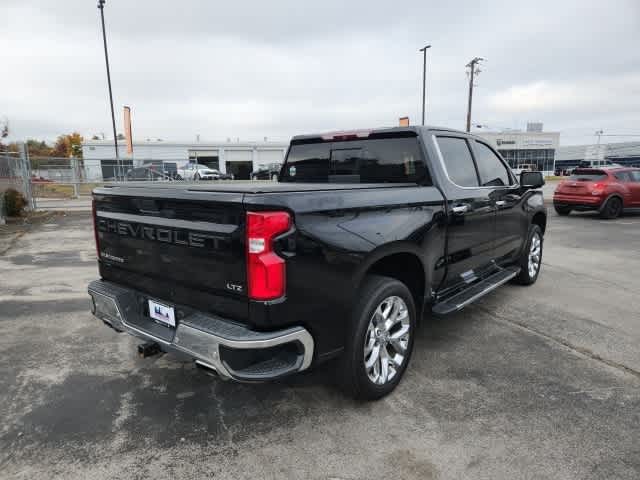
(387,340)
(535,254)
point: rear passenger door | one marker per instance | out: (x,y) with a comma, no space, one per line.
(471,213)
(510,225)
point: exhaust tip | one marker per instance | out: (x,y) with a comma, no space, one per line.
(207,369)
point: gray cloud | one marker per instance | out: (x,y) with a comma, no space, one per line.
(254,69)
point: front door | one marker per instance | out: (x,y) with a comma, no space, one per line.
(505,194)
(471,215)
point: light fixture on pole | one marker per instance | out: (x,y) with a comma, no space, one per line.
(424,79)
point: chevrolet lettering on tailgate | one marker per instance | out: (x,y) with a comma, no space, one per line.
(158,234)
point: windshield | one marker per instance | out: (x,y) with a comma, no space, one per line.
(371,160)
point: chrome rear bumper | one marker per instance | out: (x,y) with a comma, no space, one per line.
(230,349)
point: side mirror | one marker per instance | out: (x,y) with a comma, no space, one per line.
(531,179)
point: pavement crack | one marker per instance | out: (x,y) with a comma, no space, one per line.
(581,350)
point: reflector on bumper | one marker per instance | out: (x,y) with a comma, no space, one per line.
(105,308)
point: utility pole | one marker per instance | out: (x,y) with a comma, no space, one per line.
(424,79)
(599,134)
(472,73)
(106,59)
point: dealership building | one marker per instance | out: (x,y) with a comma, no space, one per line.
(531,147)
(238,158)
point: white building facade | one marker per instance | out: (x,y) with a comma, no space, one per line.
(525,148)
(239,158)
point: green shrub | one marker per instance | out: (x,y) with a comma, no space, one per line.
(14,203)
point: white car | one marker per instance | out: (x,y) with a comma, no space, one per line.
(524,167)
(206,174)
(188,171)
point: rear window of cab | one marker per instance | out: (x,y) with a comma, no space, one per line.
(374,159)
(588,175)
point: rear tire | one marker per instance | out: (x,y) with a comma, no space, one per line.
(562,211)
(531,258)
(612,209)
(379,340)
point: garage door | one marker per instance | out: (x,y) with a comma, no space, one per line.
(240,170)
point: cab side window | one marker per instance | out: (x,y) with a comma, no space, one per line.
(458,161)
(635,175)
(493,172)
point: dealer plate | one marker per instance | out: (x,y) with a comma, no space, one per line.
(162,313)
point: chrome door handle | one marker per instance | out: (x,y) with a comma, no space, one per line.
(500,203)
(460,209)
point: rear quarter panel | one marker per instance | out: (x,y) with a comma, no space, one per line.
(337,237)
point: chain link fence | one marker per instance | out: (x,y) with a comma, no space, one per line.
(50,181)
(15,174)
(73,178)
(45,179)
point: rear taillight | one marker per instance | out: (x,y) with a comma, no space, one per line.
(95,226)
(266,271)
(597,188)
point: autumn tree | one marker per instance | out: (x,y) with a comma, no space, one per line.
(68,146)
(38,148)
(4,131)
(4,128)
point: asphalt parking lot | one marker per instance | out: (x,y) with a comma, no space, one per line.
(538,382)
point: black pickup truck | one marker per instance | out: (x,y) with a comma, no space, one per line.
(364,233)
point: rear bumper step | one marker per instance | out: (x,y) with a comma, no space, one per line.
(476,290)
(232,350)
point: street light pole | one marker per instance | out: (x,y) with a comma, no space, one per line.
(424,79)
(106,59)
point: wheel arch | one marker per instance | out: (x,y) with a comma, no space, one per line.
(540,219)
(617,195)
(402,263)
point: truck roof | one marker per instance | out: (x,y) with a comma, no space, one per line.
(364,132)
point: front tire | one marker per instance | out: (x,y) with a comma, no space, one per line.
(531,257)
(380,339)
(612,209)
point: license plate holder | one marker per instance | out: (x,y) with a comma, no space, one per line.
(163,314)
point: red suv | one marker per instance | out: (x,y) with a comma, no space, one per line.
(609,191)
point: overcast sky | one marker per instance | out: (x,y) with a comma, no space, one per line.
(274,68)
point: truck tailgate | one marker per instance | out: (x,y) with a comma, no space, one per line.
(187,251)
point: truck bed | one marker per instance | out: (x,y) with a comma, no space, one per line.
(250,187)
